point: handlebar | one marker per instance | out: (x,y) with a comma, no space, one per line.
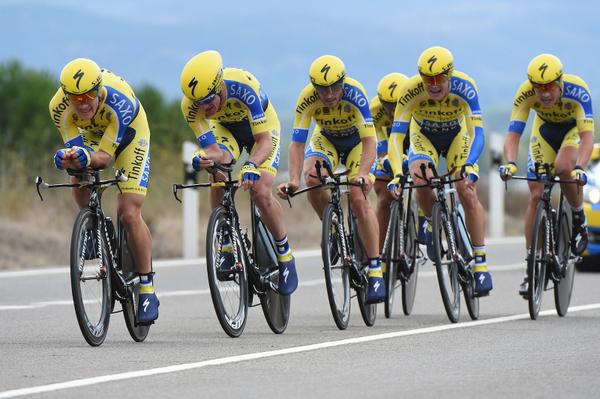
(83,174)
(217,167)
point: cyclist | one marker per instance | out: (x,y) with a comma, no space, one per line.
(343,133)
(382,109)
(439,109)
(228,111)
(562,135)
(100,118)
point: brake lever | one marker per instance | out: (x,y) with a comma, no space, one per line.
(174,188)
(38,182)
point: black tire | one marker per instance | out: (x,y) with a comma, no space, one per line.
(275,307)
(536,263)
(337,273)
(90,280)
(466,249)
(392,253)
(229,295)
(446,267)
(130,306)
(564,288)
(411,247)
(367,311)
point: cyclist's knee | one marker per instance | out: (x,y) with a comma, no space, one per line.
(261,196)
(310,178)
(360,206)
(467,196)
(130,215)
(564,167)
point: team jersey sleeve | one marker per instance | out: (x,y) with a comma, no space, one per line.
(576,90)
(377,113)
(247,91)
(464,87)
(199,125)
(307,101)
(522,103)
(61,113)
(355,95)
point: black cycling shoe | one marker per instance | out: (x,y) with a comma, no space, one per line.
(579,240)
(524,288)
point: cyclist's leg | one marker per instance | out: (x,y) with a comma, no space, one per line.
(566,160)
(318,149)
(384,199)
(134,160)
(474,212)
(82,195)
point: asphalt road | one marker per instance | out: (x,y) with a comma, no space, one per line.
(505,354)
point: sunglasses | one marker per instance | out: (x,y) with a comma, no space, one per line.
(436,80)
(339,85)
(546,86)
(87,97)
(388,105)
(205,100)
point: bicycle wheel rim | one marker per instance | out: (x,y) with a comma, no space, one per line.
(337,274)
(446,267)
(409,284)
(466,250)
(564,287)
(230,296)
(90,280)
(391,259)
(536,264)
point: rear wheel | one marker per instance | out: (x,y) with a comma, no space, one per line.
(337,274)
(90,279)
(564,288)
(130,306)
(537,262)
(446,267)
(228,285)
(276,308)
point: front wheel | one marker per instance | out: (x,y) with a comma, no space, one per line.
(537,262)
(445,265)
(391,257)
(227,273)
(466,250)
(337,274)
(90,277)
(411,248)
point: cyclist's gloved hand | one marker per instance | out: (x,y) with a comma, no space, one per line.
(469,172)
(250,172)
(83,155)
(198,156)
(507,170)
(386,166)
(393,184)
(58,157)
(579,175)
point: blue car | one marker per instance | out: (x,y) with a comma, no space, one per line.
(591,205)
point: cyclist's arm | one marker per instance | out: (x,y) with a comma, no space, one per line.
(100,159)
(295,161)
(369,144)
(263,145)
(400,125)
(468,94)
(522,103)
(305,106)
(585,124)
(511,146)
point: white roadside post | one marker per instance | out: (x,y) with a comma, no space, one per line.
(496,187)
(190,204)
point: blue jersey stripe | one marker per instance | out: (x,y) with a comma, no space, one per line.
(123,109)
(400,127)
(516,126)
(465,90)
(382,147)
(356,97)
(476,146)
(247,96)
(300,135)
(207,139)
(581,95)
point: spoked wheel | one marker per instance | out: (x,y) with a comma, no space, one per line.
(537,262)
(90,280)
(337,274)
(227,273)
(392,258)
(130,305)
(411,247)
(466,249)
(446,267)
(276,308)
(564,288)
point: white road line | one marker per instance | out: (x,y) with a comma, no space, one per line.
(166,294)
(164,263)
(279,352)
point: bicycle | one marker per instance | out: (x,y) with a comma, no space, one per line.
(550,257)
(345,262)
(401,250)
(102,270)
(255,270)
(454,258)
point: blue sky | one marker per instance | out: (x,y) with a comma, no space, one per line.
(276,40)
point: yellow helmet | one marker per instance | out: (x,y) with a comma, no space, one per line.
(326,70)
(388,89)
(80,76)
(544,68)
(202,75)
(435,61)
